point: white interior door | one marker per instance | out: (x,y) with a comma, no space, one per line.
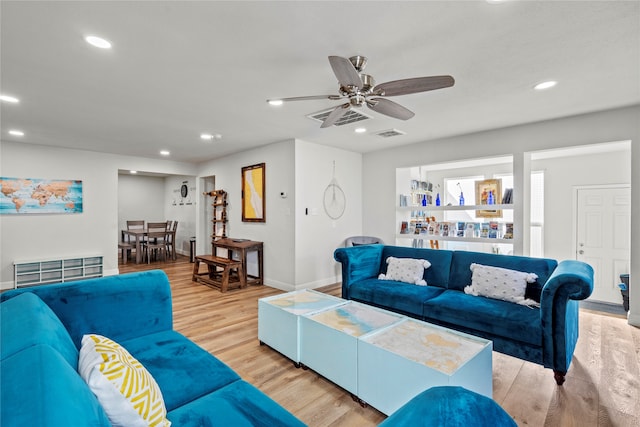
(603,237)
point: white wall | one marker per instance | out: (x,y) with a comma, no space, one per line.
(606,126)
(95,230)
(140,198)
(182,210)
(277,233)
(561,176)
(317,235)
(298,248)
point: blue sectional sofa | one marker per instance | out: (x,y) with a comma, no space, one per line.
(42,328)
(546,335)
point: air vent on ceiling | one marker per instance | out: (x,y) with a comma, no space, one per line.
(390,132)
(351,116)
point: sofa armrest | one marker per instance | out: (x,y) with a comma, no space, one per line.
(119,307)
(570,281)
(358,263)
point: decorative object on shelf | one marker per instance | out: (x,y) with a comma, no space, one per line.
(37,196)
(334,200)
(508,233)
(253,192)
(461,195)
(219,204)
(486,191)
(508,195)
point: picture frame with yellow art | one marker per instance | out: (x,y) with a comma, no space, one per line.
(253,191)
(489,192)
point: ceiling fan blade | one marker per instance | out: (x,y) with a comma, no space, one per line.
(415,85)
(345,72)
(390,108)
(335,115)
(304,98)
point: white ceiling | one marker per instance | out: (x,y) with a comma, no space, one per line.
(180,68)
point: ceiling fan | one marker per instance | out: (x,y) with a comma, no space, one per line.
(359,89)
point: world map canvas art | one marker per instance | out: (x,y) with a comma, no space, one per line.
(37,196)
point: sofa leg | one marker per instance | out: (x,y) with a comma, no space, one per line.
(559,377)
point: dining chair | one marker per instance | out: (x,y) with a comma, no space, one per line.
(156,240)
(136,225)
(172,226)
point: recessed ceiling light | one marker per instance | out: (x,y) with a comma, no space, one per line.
(16,132)
(206,136)
(275,102)
(165,152)
(360,130)
(98,42)
(133,172)
(545,85)
(9,98)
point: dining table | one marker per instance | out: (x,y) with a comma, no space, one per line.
(139,235)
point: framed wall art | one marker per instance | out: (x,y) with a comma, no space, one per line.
(489,192)
(253,191)
(40,196)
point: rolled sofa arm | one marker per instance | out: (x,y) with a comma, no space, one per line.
(119,307)
(358,263)
(570,281)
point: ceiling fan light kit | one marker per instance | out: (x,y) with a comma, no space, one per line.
(359,89)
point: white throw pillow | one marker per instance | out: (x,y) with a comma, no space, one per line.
(406,270)
(126,390)
(500,283)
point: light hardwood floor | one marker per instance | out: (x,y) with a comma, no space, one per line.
(602,387)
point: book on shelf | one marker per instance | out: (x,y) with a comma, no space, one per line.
(507,197)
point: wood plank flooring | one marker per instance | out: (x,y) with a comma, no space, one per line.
(602,387)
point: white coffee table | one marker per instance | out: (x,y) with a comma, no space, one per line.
(278,319)
(399,362)
(329,340)
(382,358)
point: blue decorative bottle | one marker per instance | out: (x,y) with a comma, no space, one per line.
(438,199)
(491,199)
(461,199)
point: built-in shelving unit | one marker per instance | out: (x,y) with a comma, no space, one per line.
(45,271)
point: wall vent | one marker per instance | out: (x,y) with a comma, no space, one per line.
(351,116)
(390,132)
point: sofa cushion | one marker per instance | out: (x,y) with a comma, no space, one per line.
(127,392)
(238,404)
(407,270)
(183,370)
(462,260)
(27,321)
(397,296)
(500,283)
(39,388)
(495,317)
(436,275)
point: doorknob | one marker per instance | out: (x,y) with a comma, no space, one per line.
(580,251)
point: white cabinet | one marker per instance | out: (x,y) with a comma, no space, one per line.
(40,272)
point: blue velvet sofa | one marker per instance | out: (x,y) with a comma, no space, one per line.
(42,328)
(546,335)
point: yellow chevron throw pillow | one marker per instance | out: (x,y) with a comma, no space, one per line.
(126,390)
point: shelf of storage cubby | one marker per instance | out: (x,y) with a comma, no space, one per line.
(455,208)
(453,239)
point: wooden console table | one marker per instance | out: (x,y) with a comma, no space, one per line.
(241,247)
